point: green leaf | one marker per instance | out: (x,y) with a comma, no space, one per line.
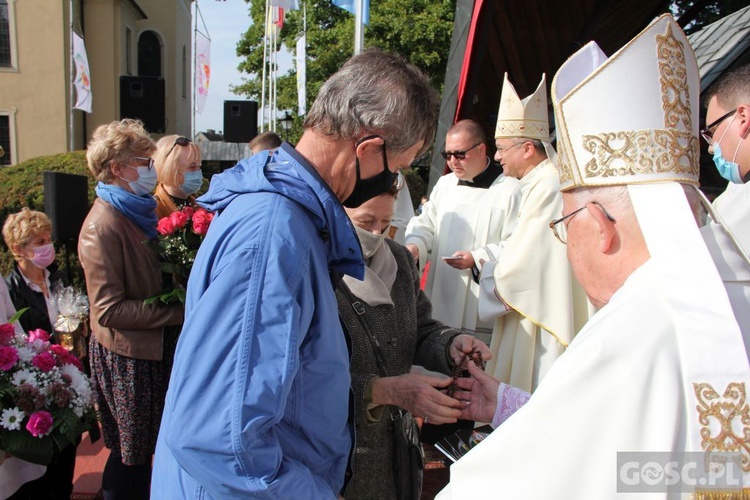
(18,314)
(23,445)
(167,267)
(168,297)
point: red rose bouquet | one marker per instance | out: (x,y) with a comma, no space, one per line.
(180,235)
(47,401)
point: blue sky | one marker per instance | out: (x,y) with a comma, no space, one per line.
(226,21)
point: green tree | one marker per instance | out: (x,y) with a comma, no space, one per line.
(418,30)
(704,13)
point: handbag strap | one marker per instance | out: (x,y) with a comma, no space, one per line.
(359,312)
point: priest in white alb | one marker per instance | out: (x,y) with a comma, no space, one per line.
(526,283)
(660,369)
(473,205)
(726,132)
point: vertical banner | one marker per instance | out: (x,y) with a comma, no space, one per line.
(82,81)
(202,70)
(301,75)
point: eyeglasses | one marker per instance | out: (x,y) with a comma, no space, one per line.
(459,155)
(142,158)
(180,141)
(708,134)
(505,150)
(561,230)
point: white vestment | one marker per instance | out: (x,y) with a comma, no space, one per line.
(403,211)
(459,217)
(625,384)
(531,273)
(733,207)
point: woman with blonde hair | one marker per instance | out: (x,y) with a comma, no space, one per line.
(127,342)
(28,235)
(34,276)
(178,166)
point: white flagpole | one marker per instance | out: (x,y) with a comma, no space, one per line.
(195,67)
(72,69)
(275,75)
(263,78)
(359,32)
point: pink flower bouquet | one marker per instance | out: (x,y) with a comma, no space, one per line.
(180,235)
(46,399)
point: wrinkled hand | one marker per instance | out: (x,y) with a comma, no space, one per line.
(414,251)
(421,395)
(478,394)
(465,262)
(463,345)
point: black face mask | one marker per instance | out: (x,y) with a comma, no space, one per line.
(366,189)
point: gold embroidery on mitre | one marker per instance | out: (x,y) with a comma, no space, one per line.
(701,494)
(730,417)
(563,166)
(675,94)
(641,152)
(522,127)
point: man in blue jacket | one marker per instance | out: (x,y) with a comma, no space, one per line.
(258,398)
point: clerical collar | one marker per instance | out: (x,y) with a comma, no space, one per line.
(486,178)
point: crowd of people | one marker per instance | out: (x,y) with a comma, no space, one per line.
(608,298)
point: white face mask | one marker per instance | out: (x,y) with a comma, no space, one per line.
(370,242)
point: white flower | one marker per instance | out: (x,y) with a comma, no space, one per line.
(25,354)
(78,381)
(24,377)
(12,418)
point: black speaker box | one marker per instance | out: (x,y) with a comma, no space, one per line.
(142,97)
(240,121)
(66,203)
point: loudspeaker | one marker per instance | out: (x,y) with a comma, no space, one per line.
(66,203)
(142,97)
(240,121)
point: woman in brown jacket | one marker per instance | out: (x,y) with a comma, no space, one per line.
(178,166)
(127,342)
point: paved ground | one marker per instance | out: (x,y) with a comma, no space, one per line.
(87,480)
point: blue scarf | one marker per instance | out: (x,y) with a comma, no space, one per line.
(139,209)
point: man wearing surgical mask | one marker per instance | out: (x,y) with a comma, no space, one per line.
(178,166)
(728,238)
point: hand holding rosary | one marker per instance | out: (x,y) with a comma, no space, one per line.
(461,367)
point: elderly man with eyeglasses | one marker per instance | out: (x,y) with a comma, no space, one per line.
(656,381)
(470,207)
(526,283)
(258,399)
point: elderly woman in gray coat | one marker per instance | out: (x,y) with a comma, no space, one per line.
(399,315)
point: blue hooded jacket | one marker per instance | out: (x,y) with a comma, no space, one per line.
(258,398)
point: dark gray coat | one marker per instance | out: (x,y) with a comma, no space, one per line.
(408,336)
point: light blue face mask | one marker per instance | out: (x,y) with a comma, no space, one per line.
(193,182)
(146,181)
(727,169)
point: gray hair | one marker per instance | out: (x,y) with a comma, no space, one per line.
(615,199)
(376,92)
